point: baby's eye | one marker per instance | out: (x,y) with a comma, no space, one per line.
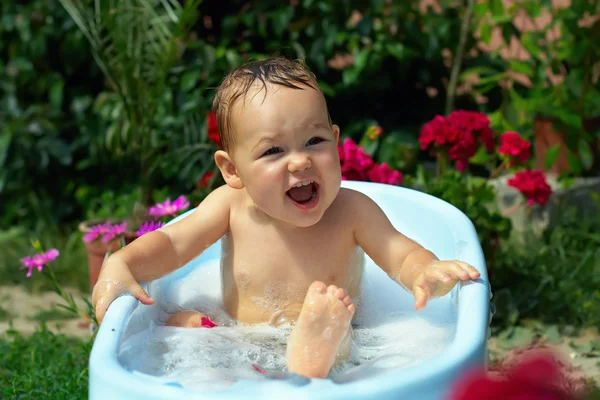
(272,150)
(314,140)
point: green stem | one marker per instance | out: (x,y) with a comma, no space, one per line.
(442,163)
(460,50)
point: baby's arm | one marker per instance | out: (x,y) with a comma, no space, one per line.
(160,252)
(404,260)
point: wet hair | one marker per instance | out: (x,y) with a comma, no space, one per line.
(275,70)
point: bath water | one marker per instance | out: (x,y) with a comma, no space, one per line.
(388,334)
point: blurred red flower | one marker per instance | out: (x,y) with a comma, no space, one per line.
(536,375)
(515,147)
(213,128)
(533,185)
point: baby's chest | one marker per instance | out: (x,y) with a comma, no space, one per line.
(267,256)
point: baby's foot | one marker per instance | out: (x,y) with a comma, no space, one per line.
(190,319)
(319,330)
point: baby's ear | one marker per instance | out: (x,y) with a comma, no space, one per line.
(228,170)
(336,133)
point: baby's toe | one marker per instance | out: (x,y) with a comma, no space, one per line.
(317,286)
(340,294)
(331,290)
(347,301)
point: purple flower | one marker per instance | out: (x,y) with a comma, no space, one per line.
(168,208)
(113,231)
(38,261)
(97,231)
(149,226)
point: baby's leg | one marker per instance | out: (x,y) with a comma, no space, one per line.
(319,331)
(190,319)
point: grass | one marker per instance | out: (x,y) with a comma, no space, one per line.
(53,314)
(43,366)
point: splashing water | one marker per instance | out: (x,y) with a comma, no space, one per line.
(388,334)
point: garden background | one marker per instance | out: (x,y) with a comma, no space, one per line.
(92,131)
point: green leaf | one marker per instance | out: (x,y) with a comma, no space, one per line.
(396,50)
(551,156)
(585,154)
(497,8)
(480,9)
(486,32)
(527,40)
(522,67)
(482,157)
(56,94)
(189,79)
(574,162)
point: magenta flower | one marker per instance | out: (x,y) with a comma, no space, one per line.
(96,231)
(354,161)
(113,231)
(149,226)
(384,174)
(38,261)
(168,208)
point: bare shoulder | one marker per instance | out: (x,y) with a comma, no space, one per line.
(352,205)
(352,200)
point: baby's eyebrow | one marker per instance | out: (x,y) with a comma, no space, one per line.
(267,138)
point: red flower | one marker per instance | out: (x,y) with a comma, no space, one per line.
(515,147)
(533,185)
(206,179)
(536,377)
(384,174)
(213,128)
(355,162)
(433,131)
(459,134)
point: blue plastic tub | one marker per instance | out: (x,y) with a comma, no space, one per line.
(435,224)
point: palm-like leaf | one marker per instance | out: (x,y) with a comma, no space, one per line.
(135,43)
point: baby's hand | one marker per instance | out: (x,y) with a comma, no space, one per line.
(438,278)
(114,281)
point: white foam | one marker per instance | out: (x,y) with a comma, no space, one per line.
(388,333)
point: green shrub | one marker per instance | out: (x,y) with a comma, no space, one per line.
(43,366)
(555,278)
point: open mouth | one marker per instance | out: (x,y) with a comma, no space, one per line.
(304,194)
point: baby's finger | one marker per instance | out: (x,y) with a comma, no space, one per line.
(437,275)
(471,270)
(420,298)
(140,294)
(454,269)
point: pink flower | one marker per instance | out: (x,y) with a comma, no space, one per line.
(96,231)
(384,174)
(355,162)
(168,208)
(149,226)
(515,147)
(533,185)
(39,260)
(114,231)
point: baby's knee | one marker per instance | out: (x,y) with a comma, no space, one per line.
(190,319)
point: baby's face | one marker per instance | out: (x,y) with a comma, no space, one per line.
(287,141)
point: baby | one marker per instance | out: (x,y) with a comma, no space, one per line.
(292,238)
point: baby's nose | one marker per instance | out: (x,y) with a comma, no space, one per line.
(299,162)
